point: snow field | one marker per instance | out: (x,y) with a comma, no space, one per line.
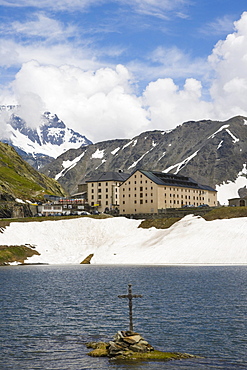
(192,240)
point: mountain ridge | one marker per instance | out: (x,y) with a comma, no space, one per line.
(39,146)
(211,152)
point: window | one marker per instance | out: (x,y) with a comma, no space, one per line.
(135,201)
(106,184)
(99,196)
(92,190)
(106,190)
(123,195)
(141,195)
(151,200)
(99,184)
(141,188)
(106,196)
(141,201)
(99,190)
(92,197)
(106,203)
(124,202)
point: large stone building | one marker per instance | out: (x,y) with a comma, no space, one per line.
(151,191)
(103,190)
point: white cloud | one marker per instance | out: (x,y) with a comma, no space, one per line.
(158,8)
(219,26)
(43,26)
(229,61)
(57,5)
(99,104)
(169,106)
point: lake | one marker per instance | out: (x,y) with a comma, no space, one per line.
(48,313)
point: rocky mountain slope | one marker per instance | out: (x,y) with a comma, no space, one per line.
(20,180)
(211,152)
(41,145)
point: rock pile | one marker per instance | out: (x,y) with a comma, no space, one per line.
(128,345)
(125,341)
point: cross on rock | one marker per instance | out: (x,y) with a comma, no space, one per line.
(130,296)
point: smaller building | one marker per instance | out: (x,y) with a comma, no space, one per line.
(238,202)
(103,190)
(63,206)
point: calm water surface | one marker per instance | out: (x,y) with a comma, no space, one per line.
(48,313)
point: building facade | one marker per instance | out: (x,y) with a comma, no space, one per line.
(238,202)
(103,191)
(151,191)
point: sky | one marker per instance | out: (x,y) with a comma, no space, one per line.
(113,69)
(118,240)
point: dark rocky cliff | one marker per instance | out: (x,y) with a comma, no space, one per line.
(211,152)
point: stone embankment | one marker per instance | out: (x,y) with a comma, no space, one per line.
(128,345)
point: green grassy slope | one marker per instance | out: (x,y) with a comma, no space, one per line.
(19,180)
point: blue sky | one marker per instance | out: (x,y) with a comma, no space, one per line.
(116,68)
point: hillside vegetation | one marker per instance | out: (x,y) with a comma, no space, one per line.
(19,180)
(14,253)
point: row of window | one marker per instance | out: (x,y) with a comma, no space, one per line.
(141,188)
(141,201)
(100,197)
(100,190)
(99,184)
(173,202)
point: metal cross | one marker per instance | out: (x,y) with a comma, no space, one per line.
(130,296)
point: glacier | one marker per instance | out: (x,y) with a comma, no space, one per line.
(190,241)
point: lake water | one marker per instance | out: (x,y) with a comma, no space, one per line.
(48,313)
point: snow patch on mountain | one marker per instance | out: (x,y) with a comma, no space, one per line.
(98,154)
(192,240)
(219,130)
(115,151)
(180,165)
(235,139)
(68,165)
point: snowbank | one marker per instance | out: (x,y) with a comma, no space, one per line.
(192,240)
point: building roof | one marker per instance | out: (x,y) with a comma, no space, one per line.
(170,179)
(109,176)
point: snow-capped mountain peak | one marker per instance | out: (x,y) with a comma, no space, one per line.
(50,139)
